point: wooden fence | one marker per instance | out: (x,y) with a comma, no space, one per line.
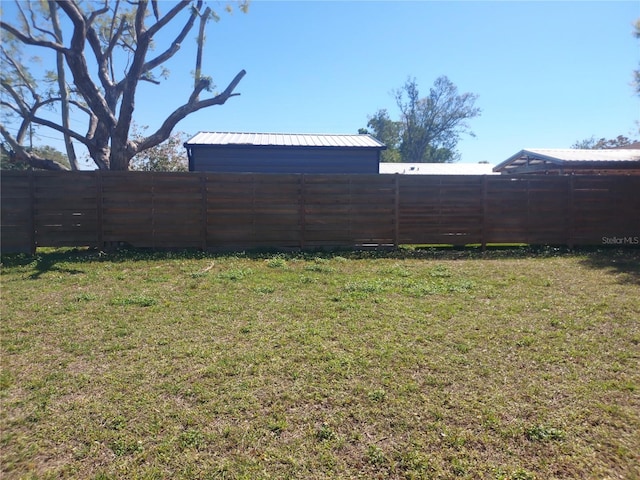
(242,211)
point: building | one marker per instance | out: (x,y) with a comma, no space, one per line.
(437,168)
(622,161)
(226,152)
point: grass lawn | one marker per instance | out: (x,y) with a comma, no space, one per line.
(513,365)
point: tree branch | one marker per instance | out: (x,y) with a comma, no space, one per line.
(175,45)
(78,65)
(170,15)
(35,25)
(20,103)
(203,24)
(193,105)
(30,40)
(20,154)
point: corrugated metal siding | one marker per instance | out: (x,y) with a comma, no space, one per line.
(284,160)
(285,140)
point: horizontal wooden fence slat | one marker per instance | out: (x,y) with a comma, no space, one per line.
(233,211)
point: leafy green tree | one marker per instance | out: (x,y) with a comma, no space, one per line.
(429,128)
(388,132)
(168,156)
(108,50)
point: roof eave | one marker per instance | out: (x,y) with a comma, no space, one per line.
(525,155)
(319,147)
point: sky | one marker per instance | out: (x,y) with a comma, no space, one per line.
(547,73)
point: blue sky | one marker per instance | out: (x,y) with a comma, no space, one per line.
(547,73)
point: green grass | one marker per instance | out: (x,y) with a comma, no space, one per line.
(411,364)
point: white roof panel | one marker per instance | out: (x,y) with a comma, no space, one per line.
(285,139)
(577,155)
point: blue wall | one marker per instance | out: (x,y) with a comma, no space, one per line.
(271,159)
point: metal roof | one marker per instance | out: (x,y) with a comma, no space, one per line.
(532,157)
(437,168)
(284,140)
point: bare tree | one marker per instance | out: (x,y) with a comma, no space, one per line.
(115,36)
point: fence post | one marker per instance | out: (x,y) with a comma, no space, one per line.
(32,212)
(99,210)
(396,220)
(571,213)
(204,201)
(483,215)
(301,210)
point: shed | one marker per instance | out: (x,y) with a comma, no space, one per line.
(227,152)
(572,161)
(437,168)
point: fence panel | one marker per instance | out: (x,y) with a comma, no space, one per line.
(548,211)
(16,233)
(440,209)
(177,211)
(606,211)
(251,210)
(65,209)
(531,209)
(127,208)
(348,210)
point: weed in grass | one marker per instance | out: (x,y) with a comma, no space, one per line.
(192,439)
(319,267)
(235,274)
(378,395)
(116,423)
(134,301)
(525,341)
(277,426)
(440,271)
(306,279)
(265,289)
(277,261)
(542,433)
(325,433)
(556,323)
(439,287)
(415,463)
(6,379)
(85,297)
(521,474)
(459,467)
(462,347)
(365,287)
(375,455)
(396,270)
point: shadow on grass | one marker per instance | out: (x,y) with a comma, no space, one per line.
(614,260)
(44,262)
(622,262)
